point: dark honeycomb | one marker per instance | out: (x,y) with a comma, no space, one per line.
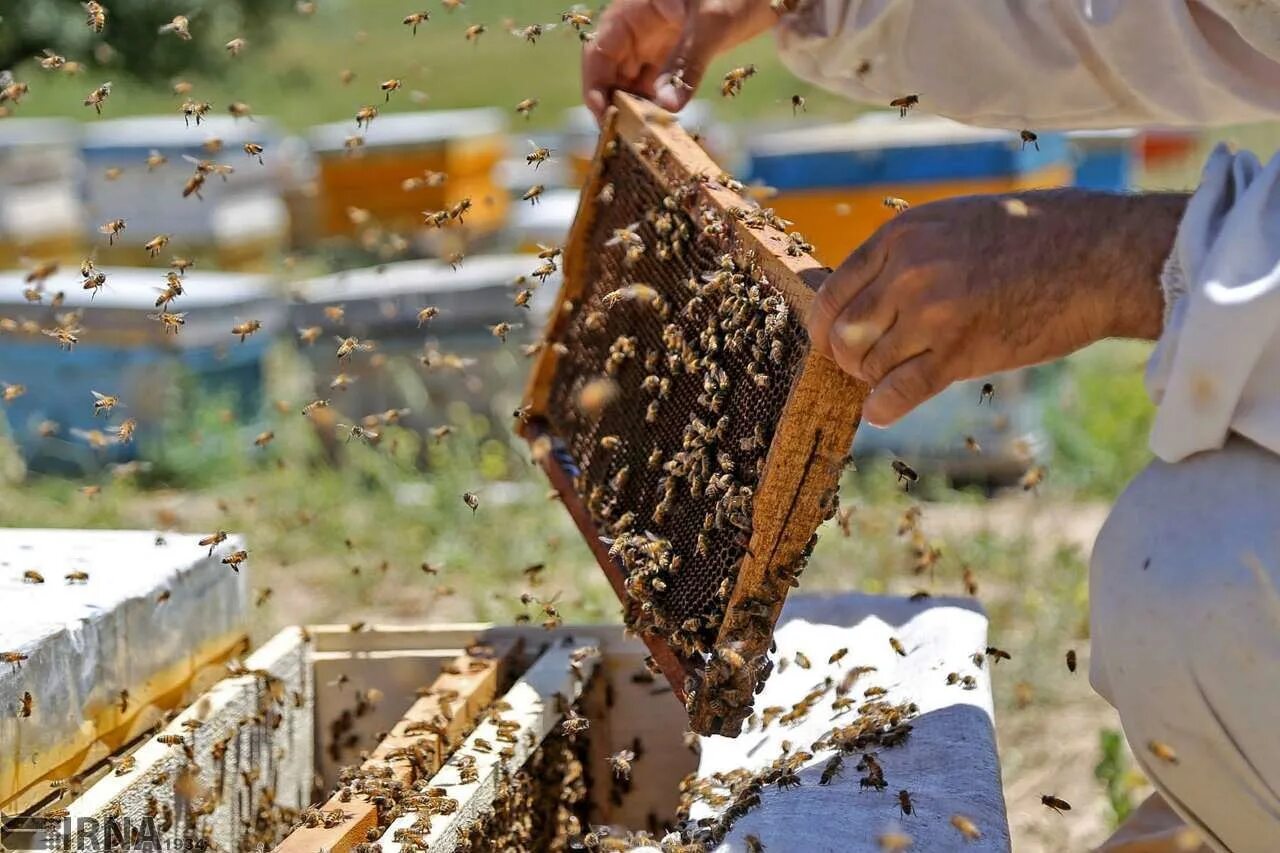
(729,348)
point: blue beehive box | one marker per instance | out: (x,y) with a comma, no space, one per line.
(123,352)
(1104,159)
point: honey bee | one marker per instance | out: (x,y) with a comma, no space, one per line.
(897,205)
(440,433)
(966,827)
(472,500)
(532,33)
(501,330)
(253,149)
(574,723)
(180,26)
(389,86)
(834,766)
(346,346)
(124,432)
(1057,804)
(532,194)
(731,86)
(264,438)
(474,32)
(897,646)
(13,659)
(112,228)
(527,106)
(906,474)
(904,803)
(987,393)
(213,540)
(1029,136)
(235,559)
(52,61)
(1071,660)
(26,705)
(32,576)
(181,265)
(104,402)
(905,104)
(123,765)
(96,15)
(197,110)
(414,19)
(365,116)
(171,321)
(620,761)
(48,429)
(1162,751)
(12,392)
(894,841)
(997,655)
(245,329)
(236,46)
(802,660)
(1033,477)
(539,155)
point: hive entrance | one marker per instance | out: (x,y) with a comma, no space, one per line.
(677,407)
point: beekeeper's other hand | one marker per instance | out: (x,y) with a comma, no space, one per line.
(965,287)
(660,49)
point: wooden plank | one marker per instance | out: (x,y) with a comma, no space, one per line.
(360,695)
(455,700)
(535,702)
(801,476)
(250,742)
(455,635)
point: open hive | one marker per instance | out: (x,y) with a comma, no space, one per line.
(694,435)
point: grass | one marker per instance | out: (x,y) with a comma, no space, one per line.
(295,77)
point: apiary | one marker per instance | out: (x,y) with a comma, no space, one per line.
(677,408)
(40,206)
(387,169)
(114,342)
(139,170)
(832,180)
(448,325)
(479,737)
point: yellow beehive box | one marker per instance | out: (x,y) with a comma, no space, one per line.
(466,145)
(831,180)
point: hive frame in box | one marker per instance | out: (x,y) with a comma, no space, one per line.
(807,451)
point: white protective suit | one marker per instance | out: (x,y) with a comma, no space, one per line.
(1185,611)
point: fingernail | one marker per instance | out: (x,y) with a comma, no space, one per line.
(855,334)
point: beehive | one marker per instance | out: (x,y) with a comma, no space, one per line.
(700,486)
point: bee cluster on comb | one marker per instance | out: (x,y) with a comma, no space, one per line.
(677,407)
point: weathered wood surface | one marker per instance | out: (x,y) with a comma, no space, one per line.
(454,700)
(535,704)
(250,739)
(87,641)
(948,763)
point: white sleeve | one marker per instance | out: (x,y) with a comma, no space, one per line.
(1216,369)
(1046,63)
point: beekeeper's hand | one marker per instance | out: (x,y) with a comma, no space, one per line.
(660,49)
(965,287)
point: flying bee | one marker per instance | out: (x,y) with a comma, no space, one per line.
(428,313)
(1057,804)
(1033,477)
(193,186)
(12,392)
(180,26)
(905,104)
(98,96)
(236,46)
(472,500)
(532,194)
(545,271)
(1071,660)
(104,402)
(181,265)
(501,330)
(527,106)
(802,660)
(837,656)
(315,404)
(532,33)
(235,559)
(539,155)
(335,313)
(897,205)
(246,328)
(474,32)
(253,149)
(95,15)
(966,827)
(264,438)
(112,228)
(156,244)
(415,19)
(1031,137)
(365,116)
(997,655)
(440,433)
(76,577)
(125,430)
(197,110)
(620,761)
(32,576)
(906,474)
(988,392)
(346,346)
(574,723)
(1162,751)
(522,298)
(897,646)
(731,86)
